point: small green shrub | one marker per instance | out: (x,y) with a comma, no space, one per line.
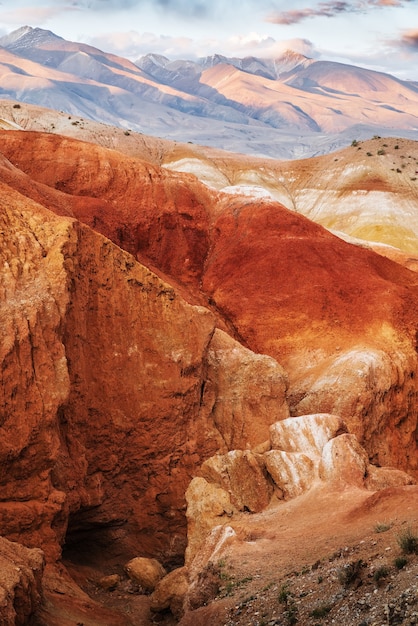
(381,572)
(408,542)
(369,154)
(400,562)
(354,143)
(380,152)
(321,611)
(292,615)
(382,527)
(350,573)
(284,594)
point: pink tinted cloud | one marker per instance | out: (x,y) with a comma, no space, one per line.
(410,39)
(35,16)
(330,9)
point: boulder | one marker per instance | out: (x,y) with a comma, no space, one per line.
(242,474)
(146,572)
(383,477)
(344,461)
(293,473)
(208,506)
(306,433)
(170,592)
(109,583)
(244,392)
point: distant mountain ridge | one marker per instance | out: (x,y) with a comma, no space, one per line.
(287,107)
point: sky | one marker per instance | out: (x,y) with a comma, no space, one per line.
(377,34)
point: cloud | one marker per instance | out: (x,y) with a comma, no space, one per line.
(133,45)
(36,16)
(409,39)
(330,9)
(185,8)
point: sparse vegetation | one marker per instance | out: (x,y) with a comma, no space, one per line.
(354,143)
(381,572)
(408,542)
(369,154)
(16,106)
(321,611)
(400,562)
(382,527)
(284,594)
(349,573)
(380,152)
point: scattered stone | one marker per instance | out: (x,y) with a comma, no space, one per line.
(170,592)
(146,572)
(109,583)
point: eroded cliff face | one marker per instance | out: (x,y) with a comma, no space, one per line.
(20,582)
(114,392)
(35,380)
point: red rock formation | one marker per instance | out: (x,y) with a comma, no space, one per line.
(296,292)
(153,214)
(281,284)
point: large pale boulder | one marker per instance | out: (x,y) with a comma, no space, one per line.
(344,461)
(242,474)
(306,433)
(21,571)
(293,473)
(245,392)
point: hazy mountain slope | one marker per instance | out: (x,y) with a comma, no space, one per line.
(287,107)
(367,191)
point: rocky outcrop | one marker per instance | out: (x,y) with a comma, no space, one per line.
(241,385)
(339,319)
(170,592)
(21,571)
(35,381)
(306,452)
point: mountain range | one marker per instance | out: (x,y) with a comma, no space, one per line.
(287,107)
